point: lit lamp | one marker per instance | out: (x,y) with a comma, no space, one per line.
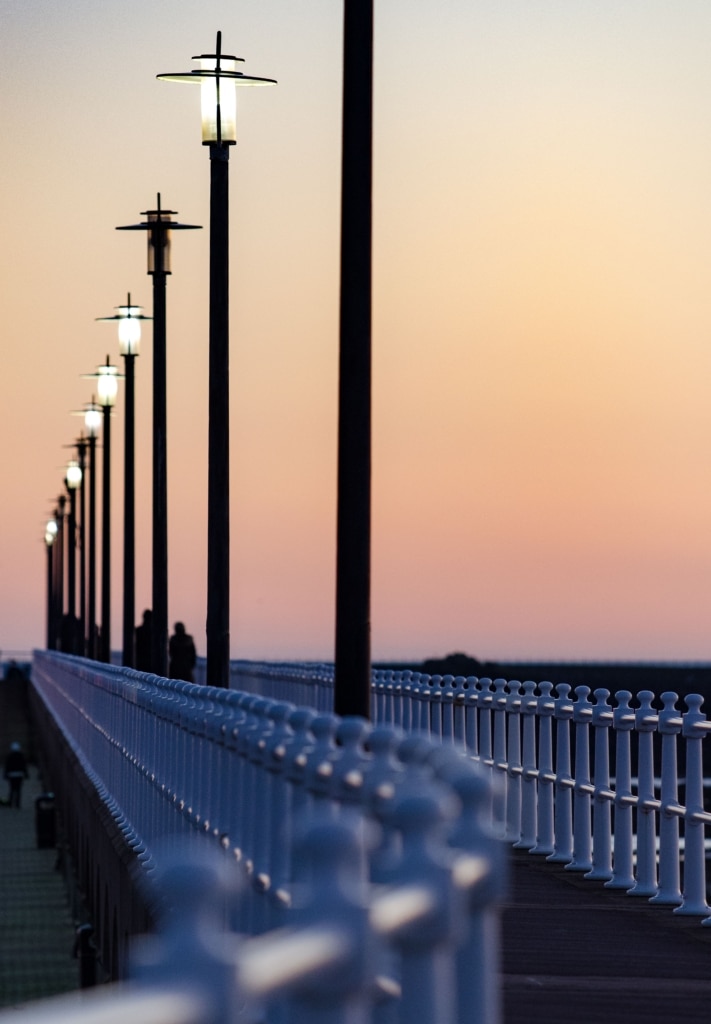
(72,479)
(158,227)
(50,536)
(218,78)
(129,318)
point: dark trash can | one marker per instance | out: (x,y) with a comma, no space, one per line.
(45,821)
(85,951)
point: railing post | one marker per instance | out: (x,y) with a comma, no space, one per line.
(425,942)
(470,710)
(500,765)
(191,952)
(327,858)
(514,766)
(623,718)
(529,777)
(602,718)
(646,725)
(478,957)
(695,819)
(582,793)
(670,725)
(545,834)
(563,852)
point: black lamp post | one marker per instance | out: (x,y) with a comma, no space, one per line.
(59,571)
(50,537)
(158,228)
(92,422)
(81,446)
(352,668)
(129,318)
(218,76)
(106,390)
(73,480)
(106,377)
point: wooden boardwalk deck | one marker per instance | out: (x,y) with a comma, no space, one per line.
(577,953)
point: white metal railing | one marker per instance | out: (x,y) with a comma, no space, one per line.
(369,879)
(548,752)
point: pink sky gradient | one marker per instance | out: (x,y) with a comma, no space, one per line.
(542,315)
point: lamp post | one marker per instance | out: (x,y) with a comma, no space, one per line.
(218,76)
(129,318)
(50,536)
(92,421)
(352,659)
(106,391)
(59,571)
(158,227)
(81,446)
(73,480)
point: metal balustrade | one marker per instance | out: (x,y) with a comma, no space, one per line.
(591,785)
(369,879)
(612,787)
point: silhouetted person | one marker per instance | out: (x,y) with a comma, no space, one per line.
(181,654)
(69,639)
(15,773)
(144,640)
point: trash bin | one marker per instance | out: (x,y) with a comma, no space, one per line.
(45,821)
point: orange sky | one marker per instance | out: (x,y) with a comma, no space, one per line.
(542,216)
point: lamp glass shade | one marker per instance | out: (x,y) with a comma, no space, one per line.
(92,421)
(227,101)
(129,330)
(49,538)
(106,384)
(52,528)
(74,475)
(158,261)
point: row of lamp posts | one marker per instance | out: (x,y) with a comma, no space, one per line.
(218,75)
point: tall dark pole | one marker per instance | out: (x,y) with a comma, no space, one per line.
(82,445)
(105,646)
(159,636)
(158,228)
(51,644)
(59,572)
(129,517)
(352,668)
(91,647)
(218,457)
(71,622)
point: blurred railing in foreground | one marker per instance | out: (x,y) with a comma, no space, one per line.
(368,879)
(612,790)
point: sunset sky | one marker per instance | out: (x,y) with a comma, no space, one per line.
(541,319)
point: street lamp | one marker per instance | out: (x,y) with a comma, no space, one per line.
(129,318)
(106,391)
(50,536)
(82,445)
(218,77)
(72,479)
(158,227)
(92,422)
(106,377)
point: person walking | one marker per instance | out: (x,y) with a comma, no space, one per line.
(144,640)
(181,654)
(15,773)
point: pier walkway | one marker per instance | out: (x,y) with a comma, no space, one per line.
(36,926)
(573,952)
